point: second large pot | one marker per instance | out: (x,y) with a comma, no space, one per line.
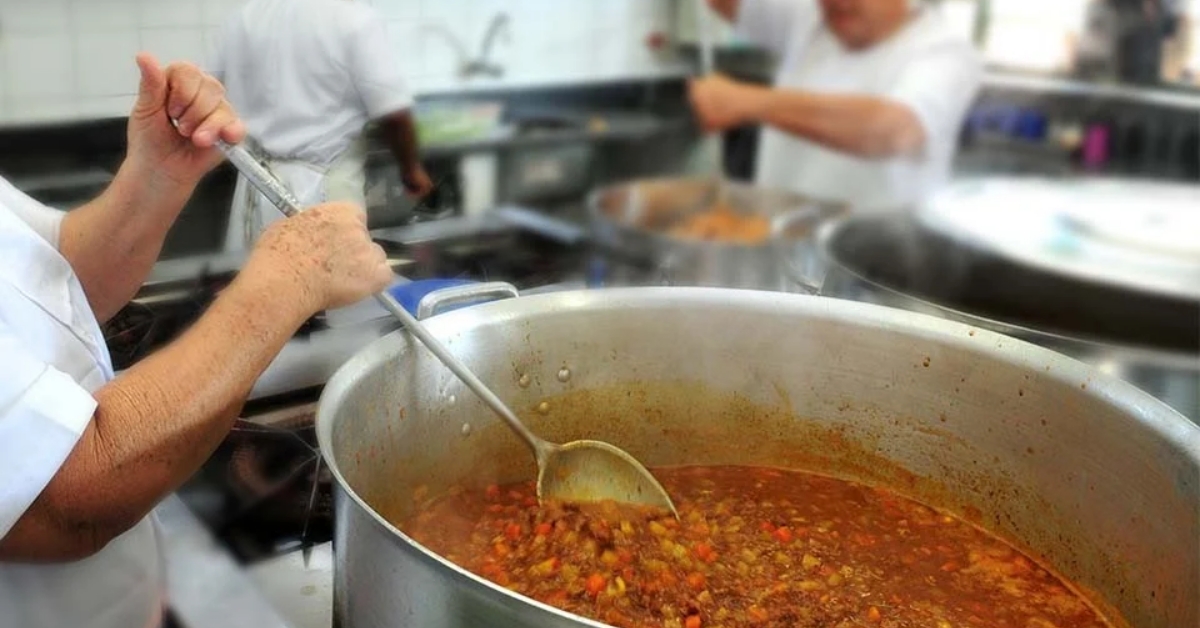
(1146,339)
(1084,470)
(637,217)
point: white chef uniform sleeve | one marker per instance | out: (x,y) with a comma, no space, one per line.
(46,221)
(939,85)
(773,24)
(43,413)
(377,73)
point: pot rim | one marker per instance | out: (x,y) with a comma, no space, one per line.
(1139,406)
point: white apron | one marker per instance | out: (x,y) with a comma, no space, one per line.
(342,180)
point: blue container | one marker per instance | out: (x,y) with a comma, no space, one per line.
(410,294)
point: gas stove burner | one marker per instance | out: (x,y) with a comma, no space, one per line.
(269,476)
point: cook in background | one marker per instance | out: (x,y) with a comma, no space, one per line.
(307,76)
(866,104)
(84,456)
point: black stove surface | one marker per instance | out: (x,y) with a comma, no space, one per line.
(263,493)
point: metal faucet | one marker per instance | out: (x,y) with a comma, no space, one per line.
(482,65)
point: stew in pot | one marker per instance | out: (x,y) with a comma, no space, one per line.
(753,547)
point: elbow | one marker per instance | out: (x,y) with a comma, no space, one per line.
(892,132)
(75,516)
(50,533)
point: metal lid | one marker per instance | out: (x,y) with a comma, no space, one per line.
(1138,236)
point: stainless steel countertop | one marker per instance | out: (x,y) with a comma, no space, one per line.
(302,594)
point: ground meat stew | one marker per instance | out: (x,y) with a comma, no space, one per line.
(753,547)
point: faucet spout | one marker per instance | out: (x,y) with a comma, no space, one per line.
(482,65)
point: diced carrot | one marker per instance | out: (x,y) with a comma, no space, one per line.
(543,529)
(492,491)
(757,614)
(767,527)
(530,502)
(625,556)
(692,621)
(783,534)
(696,580)
(950,567)
(512,531)
(874,616)
(500,549)
(595,584)
(495,509)
(704,552)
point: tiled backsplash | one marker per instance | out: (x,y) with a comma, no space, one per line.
(73,59)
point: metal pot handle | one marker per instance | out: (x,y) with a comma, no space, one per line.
(436,301)
(811,217)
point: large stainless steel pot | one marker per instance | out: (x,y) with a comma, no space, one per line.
(1148,340)
(1095,476)
(637,217)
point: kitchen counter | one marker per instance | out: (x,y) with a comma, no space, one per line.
(589,126)
(303,594)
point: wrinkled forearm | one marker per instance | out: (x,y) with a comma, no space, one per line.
(156,424)
(113,242)
(864,126)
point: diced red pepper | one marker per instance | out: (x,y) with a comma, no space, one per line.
(595,584)
(704,552)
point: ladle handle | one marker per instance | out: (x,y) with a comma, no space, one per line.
(443,354)
(282,198)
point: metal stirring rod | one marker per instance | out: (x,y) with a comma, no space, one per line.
(281,197)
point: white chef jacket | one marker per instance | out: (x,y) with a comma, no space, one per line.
(306,76)
(926,66)
(54,357)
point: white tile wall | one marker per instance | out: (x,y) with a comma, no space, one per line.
(73,59)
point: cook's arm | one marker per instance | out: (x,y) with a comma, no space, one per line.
(160,420)
(113,241)
(156,424)
(864,126)
(922,110)
(401,135)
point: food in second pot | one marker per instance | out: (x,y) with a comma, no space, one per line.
(722,223)
(753,547)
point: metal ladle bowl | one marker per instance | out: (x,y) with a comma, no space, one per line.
(578,471)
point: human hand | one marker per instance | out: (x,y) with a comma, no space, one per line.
(416,180)
(721,103)
(163,153)
(327,253)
